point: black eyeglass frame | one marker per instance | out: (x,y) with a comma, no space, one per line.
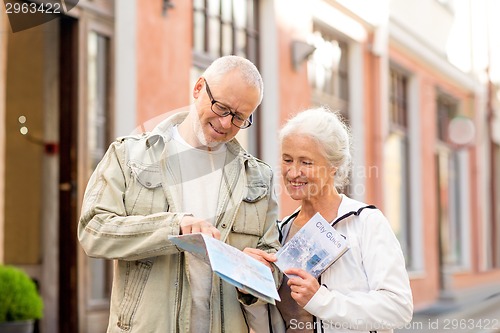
(246,123)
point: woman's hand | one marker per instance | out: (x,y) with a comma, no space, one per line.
(302,284)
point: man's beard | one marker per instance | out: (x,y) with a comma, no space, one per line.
(200,135)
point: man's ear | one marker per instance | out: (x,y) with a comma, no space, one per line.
(198,86)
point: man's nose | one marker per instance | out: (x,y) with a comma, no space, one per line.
(226,121)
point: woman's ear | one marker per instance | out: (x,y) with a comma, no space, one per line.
(333,170)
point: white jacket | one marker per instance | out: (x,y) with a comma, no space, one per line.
(368,288)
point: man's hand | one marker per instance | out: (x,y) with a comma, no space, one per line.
(192,225)
(262,256)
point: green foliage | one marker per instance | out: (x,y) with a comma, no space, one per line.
(19,298)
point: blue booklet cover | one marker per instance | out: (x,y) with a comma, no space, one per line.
(315,247)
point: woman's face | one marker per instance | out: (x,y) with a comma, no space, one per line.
(306,172)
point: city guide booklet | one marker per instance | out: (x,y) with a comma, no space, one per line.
(315,247)
(231,265)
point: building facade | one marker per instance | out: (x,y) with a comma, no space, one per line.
(424,122)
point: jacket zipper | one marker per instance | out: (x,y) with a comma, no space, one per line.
(221,307)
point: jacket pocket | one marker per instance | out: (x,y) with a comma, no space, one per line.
(144,194)
(136,279)
(255,192)
(148,175)
(251,216)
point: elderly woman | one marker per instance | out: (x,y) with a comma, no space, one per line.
(367,289)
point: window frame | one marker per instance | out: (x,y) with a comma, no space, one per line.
(399,129)
(89,24)
(447,107)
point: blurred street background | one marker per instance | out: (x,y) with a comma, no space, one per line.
(417,80)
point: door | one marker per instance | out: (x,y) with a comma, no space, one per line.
(68,134)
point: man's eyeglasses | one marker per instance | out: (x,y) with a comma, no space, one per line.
(223,111)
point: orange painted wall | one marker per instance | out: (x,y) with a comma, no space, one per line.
(164,46)
(373,126)
(295,93)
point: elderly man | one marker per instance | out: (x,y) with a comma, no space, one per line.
(188,175)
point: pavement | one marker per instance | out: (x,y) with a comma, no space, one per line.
(472,311)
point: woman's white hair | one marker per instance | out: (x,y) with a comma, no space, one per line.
(226,64)
(331,133)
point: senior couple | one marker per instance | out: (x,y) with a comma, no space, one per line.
(191,175)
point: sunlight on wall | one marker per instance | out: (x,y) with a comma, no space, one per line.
(474,43)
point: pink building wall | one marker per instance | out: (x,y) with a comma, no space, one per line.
(164,57)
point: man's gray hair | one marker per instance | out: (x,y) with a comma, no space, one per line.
(246,68)
(331,133)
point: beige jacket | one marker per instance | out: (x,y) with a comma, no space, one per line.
(130,209)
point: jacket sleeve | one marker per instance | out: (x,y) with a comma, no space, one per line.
(387,304)
(105,230)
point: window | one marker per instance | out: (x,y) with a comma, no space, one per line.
(398,100)
(98,124)
(450,188)
(223,27)
(397,163)
(98,108)
(328,70)
(446,110)
(496,209)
